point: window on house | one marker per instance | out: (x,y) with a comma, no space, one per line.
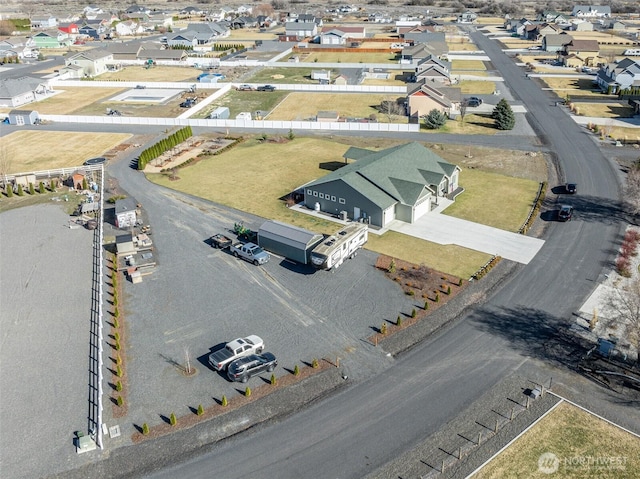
(309,192)
(342,201)
(333,198)
(321,195)
(315,193)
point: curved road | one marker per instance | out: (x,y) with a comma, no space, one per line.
(366,425)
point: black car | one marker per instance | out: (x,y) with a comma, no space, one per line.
(188,103)
(474,102)
(266,88)
(565,212)
(244,368)
(571,188)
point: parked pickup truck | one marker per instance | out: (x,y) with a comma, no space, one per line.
(250,252)
(238,348)
(220,241)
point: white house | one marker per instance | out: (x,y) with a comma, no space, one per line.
(92,62)
(591,11)
(129,28)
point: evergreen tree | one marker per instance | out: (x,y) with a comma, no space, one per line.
(503,116)
(435,119)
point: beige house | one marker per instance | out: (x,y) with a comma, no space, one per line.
(425,97)
(90,63)
(581,53)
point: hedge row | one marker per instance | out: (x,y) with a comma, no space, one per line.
(166,144)
(534,211)
(486,268)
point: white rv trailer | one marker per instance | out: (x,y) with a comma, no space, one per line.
(334,249)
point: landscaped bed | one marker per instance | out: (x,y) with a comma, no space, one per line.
(574,443)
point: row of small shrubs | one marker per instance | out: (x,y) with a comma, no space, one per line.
(163,145)
(537,205)
(9,188)
(486,268)
(628,250)
(217,152)
(224,402)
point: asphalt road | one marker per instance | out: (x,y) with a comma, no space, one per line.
(358,430)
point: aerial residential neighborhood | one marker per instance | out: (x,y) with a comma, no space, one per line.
(420,221)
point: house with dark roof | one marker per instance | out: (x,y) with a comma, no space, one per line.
(616,77)
(399,183)
(300,29)
(51,39)
(591,11)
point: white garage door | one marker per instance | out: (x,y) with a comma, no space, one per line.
(422,207)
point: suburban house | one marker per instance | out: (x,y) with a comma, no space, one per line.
(536,31)
(90,11)
(192,12)
(591,11)
(517,26)
(129,28)
(301,29)
(580,53)
(92,62)
(434,43)
(90,31)
(620,76)
(581,26)
(22,47)
(551,16)
(244,10)
(424,97)
(132,9)
(433,69)
(15,92)
(124,50)
(555,42)
(47,21)
(417,29)
(467,17)
(198,34)
(617,25)
(70,29)
(51,39)
(340,35)
(399,183)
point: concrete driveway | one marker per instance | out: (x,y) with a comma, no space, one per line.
(443,229)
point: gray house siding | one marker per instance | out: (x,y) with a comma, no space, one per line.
(333,195)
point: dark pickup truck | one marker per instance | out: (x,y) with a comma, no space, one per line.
(220,241)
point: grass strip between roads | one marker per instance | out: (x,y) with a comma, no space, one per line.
(584,445)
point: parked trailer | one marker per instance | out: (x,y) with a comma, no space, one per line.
(334,249)
(632,52)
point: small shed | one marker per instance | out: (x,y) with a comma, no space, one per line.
(126,213)
(220,113)
(289,241)
(76,180)
(321,75)
(23,117)
(124,244)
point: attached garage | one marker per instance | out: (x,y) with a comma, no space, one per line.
(289,241)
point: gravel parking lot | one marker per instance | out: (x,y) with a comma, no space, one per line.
(46,301)
(201,297)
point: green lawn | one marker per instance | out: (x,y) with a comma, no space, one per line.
(494,200)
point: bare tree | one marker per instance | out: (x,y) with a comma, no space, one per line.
(633,187)
(5,162)
(463,110)
(391,107)
(625,304)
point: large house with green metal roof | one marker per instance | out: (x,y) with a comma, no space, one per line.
(398,183)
